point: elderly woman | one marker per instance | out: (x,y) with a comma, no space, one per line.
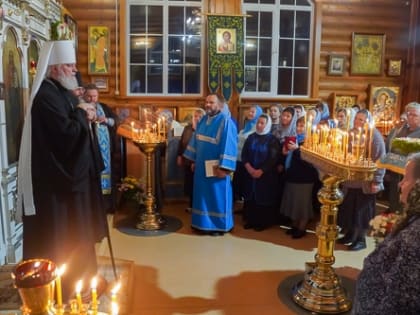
(390,280)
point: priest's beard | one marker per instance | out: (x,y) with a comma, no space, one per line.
(67,81)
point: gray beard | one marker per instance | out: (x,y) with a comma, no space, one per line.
(68,82)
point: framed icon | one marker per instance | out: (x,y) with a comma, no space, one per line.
(99,49)
(394,67)
(336,65)
(367,54)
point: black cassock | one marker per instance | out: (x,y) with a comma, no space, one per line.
(66,165)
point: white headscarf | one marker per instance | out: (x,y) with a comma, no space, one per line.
(52,53)
(267,127)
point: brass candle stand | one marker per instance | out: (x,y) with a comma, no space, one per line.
(321,290)
(150,219)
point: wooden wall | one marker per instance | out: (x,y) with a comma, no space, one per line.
(335,21)
(339,19)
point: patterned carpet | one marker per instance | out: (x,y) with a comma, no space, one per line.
(10,300)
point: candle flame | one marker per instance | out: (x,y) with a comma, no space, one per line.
(93,283)
(60,270)
(79,286)
(116,288)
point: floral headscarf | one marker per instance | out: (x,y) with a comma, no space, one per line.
(290,129)
(412,209)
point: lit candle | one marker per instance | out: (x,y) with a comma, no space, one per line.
(348,117)
(60,272)
(93,285)
(114,308)
(372,125)
(164,127)
(79,286)
(114,292)
(357,146)
(132,130)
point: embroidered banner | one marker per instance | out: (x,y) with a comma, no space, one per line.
(226,53)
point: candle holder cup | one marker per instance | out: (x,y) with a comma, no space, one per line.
(34,280)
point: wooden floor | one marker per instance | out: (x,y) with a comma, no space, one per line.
(241,273)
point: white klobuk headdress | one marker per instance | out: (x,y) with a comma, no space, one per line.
(52,53)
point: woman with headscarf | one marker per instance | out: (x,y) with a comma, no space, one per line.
(249,127)
(300,177)
(287,126)
(358,206)
(259,157)
(345,118)
(389,282)
(300,110)
(324,113)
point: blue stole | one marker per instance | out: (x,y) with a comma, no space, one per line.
(104,146)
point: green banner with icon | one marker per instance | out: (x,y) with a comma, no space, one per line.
(226,54)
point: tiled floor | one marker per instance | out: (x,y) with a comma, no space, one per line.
(235,274)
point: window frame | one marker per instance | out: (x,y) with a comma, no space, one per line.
(165,4)
(275,39)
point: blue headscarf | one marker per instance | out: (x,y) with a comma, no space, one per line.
(325,114)
(250,124)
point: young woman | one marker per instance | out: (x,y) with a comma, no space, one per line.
(275,113)
(287,126)
(259,157)
(249,127)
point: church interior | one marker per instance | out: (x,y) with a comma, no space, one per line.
(148,57)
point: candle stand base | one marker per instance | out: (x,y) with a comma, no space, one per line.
(320,291)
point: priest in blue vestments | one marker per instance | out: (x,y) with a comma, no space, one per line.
(213,151)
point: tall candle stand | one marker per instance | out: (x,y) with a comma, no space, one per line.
(150,219)
(321,290)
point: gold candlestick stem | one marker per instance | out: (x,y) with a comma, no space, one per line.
(150,219)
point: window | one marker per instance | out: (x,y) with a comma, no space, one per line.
(164,47)
(278,45)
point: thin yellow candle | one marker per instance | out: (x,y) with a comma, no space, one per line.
(357,146)
(79,286)
(348,117)
(164,127)
(132,130)
(371,126)
(114,308)
(114,292)
(93,285)
(59,292)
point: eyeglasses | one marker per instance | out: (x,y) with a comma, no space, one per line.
(412,114)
